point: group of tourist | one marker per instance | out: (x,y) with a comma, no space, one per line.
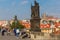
(18,33)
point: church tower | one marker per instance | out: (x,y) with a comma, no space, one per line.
(35,17)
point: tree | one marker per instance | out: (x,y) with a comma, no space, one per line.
(16,24)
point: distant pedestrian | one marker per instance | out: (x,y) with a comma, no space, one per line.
(17,32)
(3,31)
(14,31)
(0,29)
(24,34)
(8,32)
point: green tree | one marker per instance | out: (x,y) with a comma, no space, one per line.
(16,24)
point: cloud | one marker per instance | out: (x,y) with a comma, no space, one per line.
(24,2)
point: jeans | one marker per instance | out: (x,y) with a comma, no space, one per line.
(17,34)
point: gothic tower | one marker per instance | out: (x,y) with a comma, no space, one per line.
(35,17)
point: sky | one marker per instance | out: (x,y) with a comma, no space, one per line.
(22,8)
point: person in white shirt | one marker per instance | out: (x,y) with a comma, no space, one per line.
(17,32)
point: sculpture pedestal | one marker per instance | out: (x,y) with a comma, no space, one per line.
(36,35)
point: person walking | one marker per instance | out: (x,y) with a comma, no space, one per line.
(8,32)
(17,32)
(14,31)
(3,31)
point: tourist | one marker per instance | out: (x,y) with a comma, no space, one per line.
(3,31)
(14,31)
(24,34)
(8,32)
(17,32)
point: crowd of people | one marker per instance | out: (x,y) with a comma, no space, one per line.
(16,31)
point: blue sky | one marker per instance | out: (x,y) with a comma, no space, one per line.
(22,8)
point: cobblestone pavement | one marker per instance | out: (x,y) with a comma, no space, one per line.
(11,37)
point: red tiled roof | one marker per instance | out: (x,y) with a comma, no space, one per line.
(44,25)
(27,25)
